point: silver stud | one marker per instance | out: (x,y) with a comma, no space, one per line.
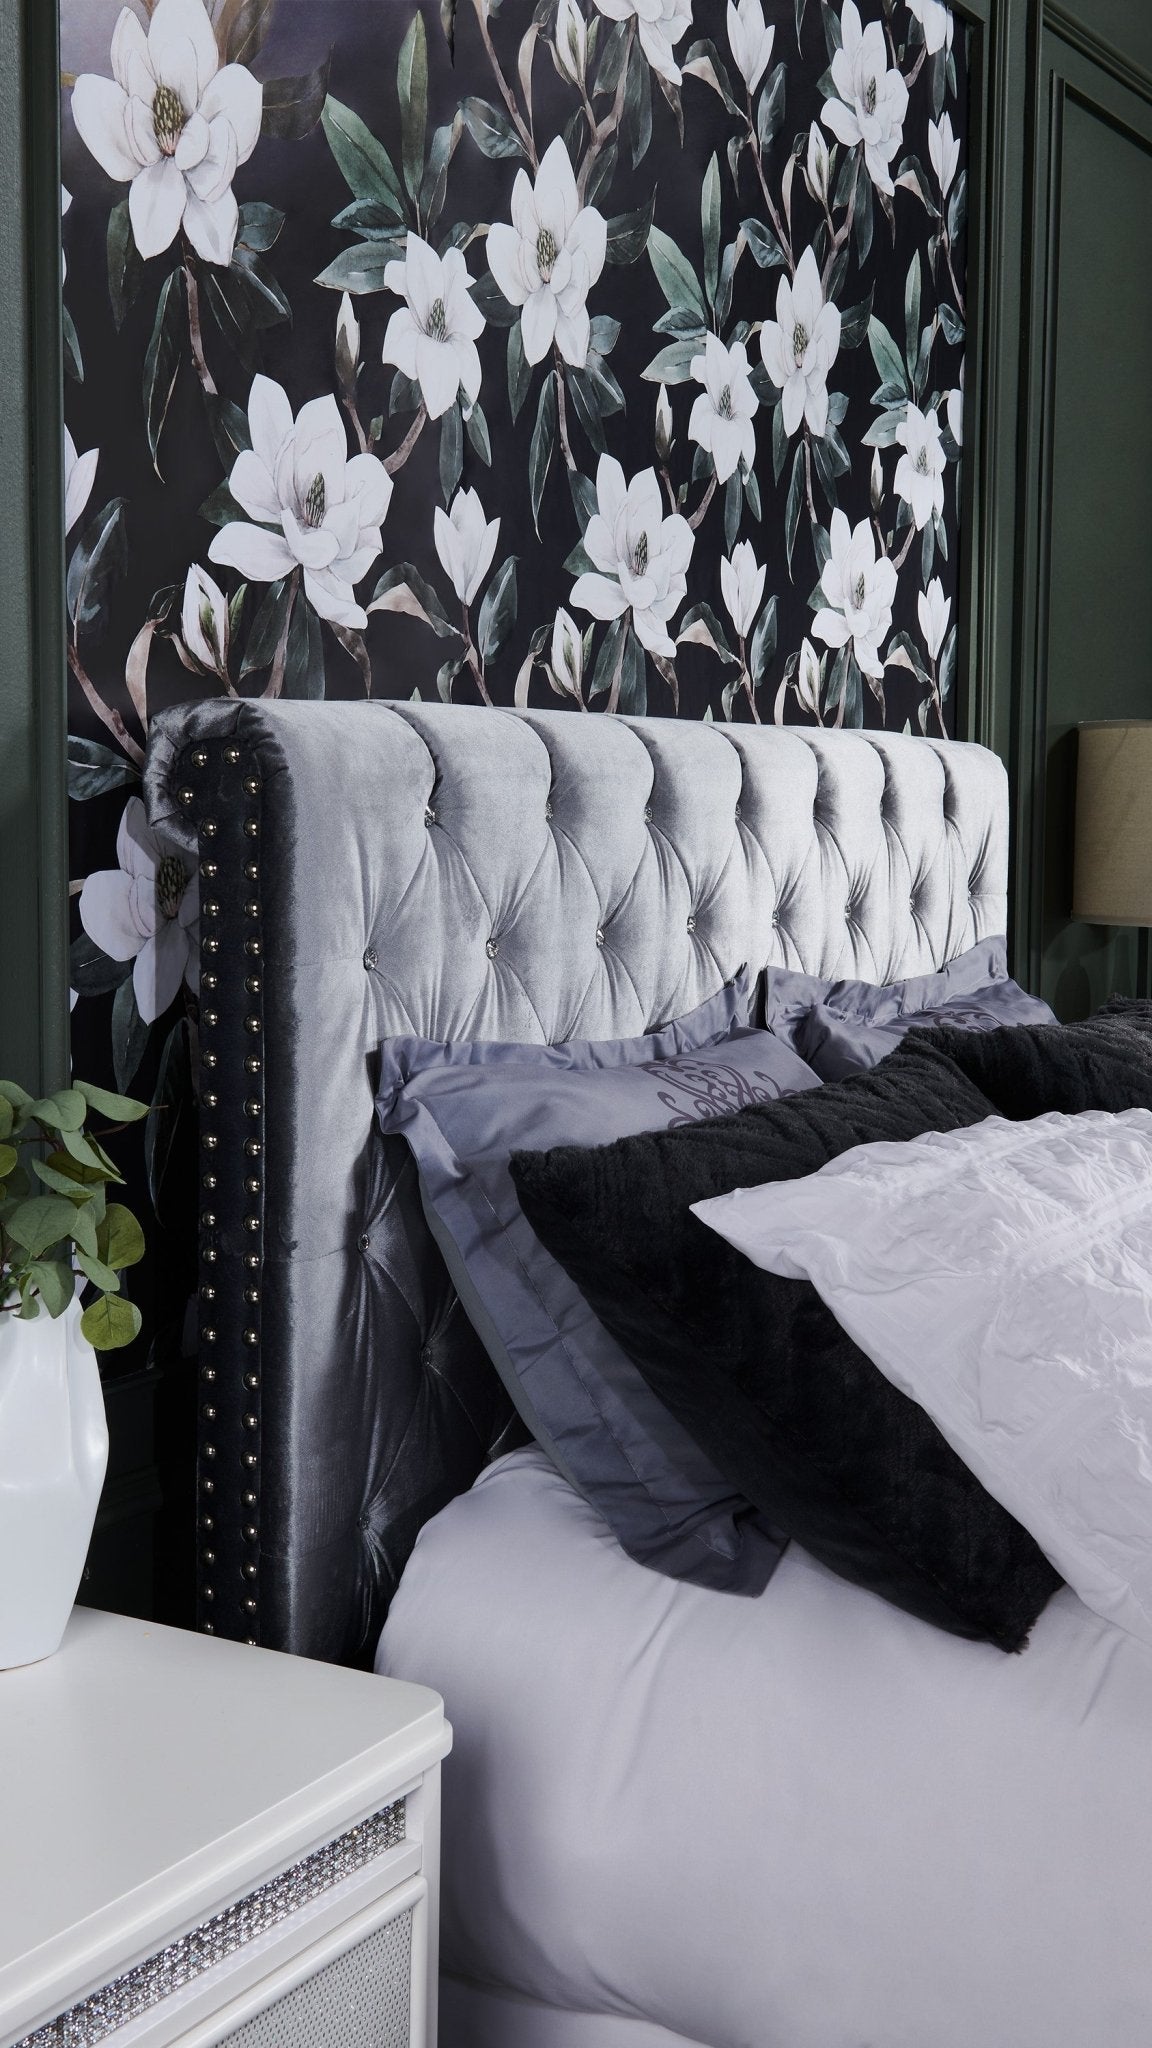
(251,1532)
(185,795)
(249,1607)
(209,1181)
(253,1063)
(209,1293)
(251,1422)
(209,1557)
(200,758)
(210,909)
(210,868)
(250,1571)
(249,1500)
(211,1101)
(208,1372)
(208,1219)
(209,1413)
(251,1379)
(253,984)
(250,1458)
(211,1142)
(206,1629)
(251,1223)
(211,1255)
(251,1336)
(253,1185)
(253,1148)
(252,785)
(209,828)
(252,1260)
(232,754)
(210,1059)
(207,1486)
(209,1593)
(251,870)
(211,945)
(252,827)
(210,981)
(250,1641)
(251,910)
(251,1107)
(211,1018)
(209,1336)
(252,946)
(209,1451)
(208,1522)
(252,1294)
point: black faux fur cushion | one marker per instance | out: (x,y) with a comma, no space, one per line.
(1028,1069)
(758,1369)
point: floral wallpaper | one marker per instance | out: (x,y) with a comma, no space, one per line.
(596,353)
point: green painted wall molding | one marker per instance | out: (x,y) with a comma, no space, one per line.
(33,857)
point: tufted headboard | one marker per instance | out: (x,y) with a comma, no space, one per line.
(462,872)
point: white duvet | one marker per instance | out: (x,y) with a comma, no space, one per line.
(1002,1276)
(801,1821)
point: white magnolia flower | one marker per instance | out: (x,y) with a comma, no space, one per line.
(433,337)
(936,21)
(326,511)
(750,41)
(956,411)
(176,124)
(742,581)
(145,910)
(661,24)
(204,621)
(859,590)
(347,341)
(549,259)
(641,556)
(664,428)
(873,100)
(808,679)
(920,470)
(944,151)
(817,170)
(65,203)
(800,346)
(935,612)
(466,543)
(79,477)
(723,413)
(567,663)
(571,44)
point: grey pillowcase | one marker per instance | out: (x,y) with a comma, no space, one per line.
(464,1109)
(842,1027)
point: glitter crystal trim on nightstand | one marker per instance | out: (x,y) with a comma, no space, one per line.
(206,1946)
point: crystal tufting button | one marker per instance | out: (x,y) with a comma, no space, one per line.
(492,948)
(371,958)
(691,924)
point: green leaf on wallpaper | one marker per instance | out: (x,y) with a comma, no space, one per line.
(863,217)
(770,108)
(728,262)
(171,1105)
(304,658)
(958,206)
(763,649)
(912,314)
(220,508)
(73,360)
(363,163)
(710,228)
(129,1034)
(681,321)
(603,174)
(543,446)
(434,187)
(795,500)
(704,62)
(362,267)
(445,677)
(633,678)
(125,269)
(372,220)
(733,509)
(952,325)
(404,395)
(226,299)
(91,972)
(854,322)
(496,309)
(610,655)
(260,225)
(584,500)
(612,58)
(766,250)
(947,672)
(628,233)
(675,275)
(779,443)
(403,589)
(412,91)
(636,121)
(490,128)
(476,428)
(94,769)
(448,24)
(268,303)
(700,627)
(673,365)
(267,627)
(162,361)
(242,28)
(588,408)
(752,494)
(886,355)
(229,424)
(498,611)
(98,560)
(293,106)
(451,453)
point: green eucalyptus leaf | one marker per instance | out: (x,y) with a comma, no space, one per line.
(83,1228)
(98,1273)
(9,1157)
(110,1322)
(123,1109)
(12,1093)
(64,1111)
(85,1152)
(40,1221)
(7,1117)
(54,1281)
(412,91)
(60,1183)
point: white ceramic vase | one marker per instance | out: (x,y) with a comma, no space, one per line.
(53,1455)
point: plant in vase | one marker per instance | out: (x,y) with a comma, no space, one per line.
(60,1235)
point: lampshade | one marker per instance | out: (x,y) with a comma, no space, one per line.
(1113,879)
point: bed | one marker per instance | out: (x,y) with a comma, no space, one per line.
(804,1821)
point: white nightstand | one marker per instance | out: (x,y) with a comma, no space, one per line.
(201,1843)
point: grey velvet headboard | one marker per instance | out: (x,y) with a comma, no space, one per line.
(373,868)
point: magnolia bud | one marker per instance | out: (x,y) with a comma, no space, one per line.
(808,679)
(567,664)
(818,167)
(663,424)
(347,344)
(571,41)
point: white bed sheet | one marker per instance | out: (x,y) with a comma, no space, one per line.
(802,1821)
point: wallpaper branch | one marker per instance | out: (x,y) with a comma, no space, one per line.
(597,353)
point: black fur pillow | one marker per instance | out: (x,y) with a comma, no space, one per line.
(1028,1069)
(757,1368)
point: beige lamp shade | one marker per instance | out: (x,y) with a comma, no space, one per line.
(1113,879)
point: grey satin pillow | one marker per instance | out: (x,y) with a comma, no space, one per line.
(464,1109)
(842,1027)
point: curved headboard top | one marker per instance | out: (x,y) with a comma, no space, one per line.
(455,871)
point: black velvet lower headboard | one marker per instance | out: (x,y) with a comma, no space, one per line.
(451,871)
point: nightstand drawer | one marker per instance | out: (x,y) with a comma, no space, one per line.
(332,1950)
